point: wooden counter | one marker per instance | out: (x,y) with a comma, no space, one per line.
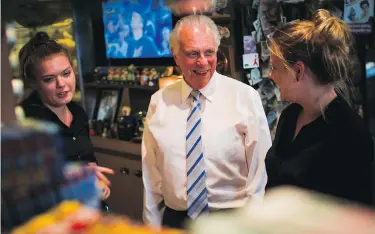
(124,157)
(127,147)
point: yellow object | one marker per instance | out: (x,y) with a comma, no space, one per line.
(36,224)
(65,209)
(70,217)
(62,23)
(54,216)
(69,43)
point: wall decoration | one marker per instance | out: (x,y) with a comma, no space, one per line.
(108,105)
(359,14)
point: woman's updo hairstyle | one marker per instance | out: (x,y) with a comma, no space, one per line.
(323,44)
(37,49)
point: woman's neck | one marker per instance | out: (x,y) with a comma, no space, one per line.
(63,113)
(315,104)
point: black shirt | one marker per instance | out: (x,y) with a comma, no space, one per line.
(77,144)
(331,155)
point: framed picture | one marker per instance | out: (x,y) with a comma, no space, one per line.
(359,15)
(225,61)
(227,33)
(108,103)
(249,44)
(223,12)
(265,51)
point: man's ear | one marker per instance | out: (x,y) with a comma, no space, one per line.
(176,59)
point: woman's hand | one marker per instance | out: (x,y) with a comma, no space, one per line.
(100,173)
(106,191)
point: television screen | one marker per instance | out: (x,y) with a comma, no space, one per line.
(136,28)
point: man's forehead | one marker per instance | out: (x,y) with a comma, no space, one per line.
(195,28)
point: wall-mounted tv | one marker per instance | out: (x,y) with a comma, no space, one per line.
(136,29)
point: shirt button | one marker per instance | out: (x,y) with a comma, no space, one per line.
(74,138)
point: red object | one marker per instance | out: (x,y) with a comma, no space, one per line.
(78,226)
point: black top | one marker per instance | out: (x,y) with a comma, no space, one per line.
(77,144)
(331,155)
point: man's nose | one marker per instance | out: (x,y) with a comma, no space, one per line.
(202,60)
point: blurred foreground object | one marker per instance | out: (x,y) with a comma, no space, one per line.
(7,98)
(291,211)
(34,176)
(71,217)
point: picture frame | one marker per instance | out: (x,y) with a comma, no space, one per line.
(226,30)
(223,14)
(226,63)
(107,105)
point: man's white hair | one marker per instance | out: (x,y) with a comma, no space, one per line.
(191,21)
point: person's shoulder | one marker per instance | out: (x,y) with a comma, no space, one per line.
(232,83)
(77,110)
(346,122)
(242,94)
(341,115)
(349,131)
(33,107)
(33,111)
(170,91)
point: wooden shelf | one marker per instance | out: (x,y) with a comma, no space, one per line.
(221,18)
(116,86)
(116,145)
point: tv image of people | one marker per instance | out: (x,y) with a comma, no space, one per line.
(136,28)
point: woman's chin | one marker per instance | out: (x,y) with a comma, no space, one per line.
(63,101)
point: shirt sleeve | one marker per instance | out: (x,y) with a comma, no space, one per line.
(151,176)
(257,143)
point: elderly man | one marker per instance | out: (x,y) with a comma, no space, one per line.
(205,137)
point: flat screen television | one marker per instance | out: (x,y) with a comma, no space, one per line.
(136,29)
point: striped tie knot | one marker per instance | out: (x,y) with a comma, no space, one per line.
(195,95)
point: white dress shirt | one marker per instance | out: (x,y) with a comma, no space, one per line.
(235,138)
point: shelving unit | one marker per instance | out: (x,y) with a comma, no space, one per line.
(110,144)
(114,86)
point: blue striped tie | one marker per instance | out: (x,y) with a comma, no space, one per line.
(196,176)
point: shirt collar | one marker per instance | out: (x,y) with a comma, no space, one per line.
(207,91)
(44,113)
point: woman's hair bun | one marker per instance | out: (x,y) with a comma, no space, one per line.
(40,37)
(329,29)
(320,16)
